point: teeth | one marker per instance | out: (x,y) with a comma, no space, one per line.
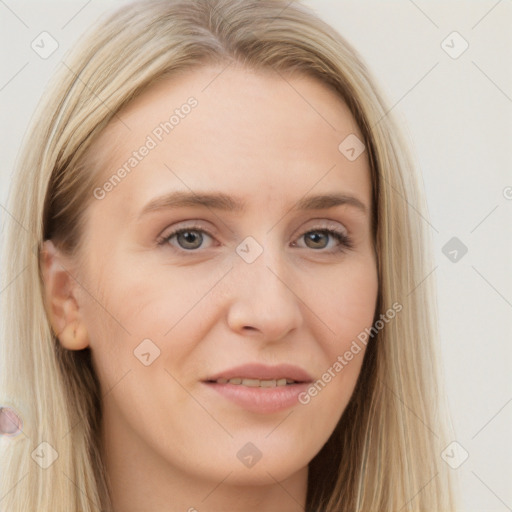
(255,383)
(252,383)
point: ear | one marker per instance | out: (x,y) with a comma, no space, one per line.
(61,302)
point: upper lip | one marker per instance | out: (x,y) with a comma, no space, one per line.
(264,372)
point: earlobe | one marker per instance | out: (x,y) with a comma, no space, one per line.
(61,303)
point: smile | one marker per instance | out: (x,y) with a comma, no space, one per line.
(255,383)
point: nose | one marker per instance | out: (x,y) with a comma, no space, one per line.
(264,297)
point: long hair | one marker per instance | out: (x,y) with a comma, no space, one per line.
(385,453)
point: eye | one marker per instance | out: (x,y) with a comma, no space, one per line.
(189,238)
(319,238)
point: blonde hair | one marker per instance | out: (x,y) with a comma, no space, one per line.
(385,453)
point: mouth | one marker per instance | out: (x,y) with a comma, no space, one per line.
(259,388)
(256,375)
(256,383)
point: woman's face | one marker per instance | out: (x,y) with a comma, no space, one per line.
(256,284)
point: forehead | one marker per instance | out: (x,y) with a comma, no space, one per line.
(247,132)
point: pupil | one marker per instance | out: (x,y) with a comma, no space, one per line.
(189,237)
(314,236)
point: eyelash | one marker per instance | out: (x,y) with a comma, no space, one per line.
(345,242)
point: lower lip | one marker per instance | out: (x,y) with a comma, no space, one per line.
(258,399)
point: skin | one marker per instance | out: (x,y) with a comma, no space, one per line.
(169,443)
(10,423)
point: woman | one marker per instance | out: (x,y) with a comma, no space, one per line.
(224,309)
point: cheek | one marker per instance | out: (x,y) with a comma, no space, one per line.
(151,297)
(137,310)
(347,307)
(344,299)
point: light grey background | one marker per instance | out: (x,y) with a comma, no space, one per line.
(456,113)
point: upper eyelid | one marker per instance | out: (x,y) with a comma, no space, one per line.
(323,224)
(318,224)
(171,231)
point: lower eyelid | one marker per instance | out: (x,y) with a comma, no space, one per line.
(165,238)
(344,241)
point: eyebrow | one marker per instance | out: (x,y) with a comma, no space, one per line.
(224,202)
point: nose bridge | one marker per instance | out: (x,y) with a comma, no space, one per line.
(262,297)
(262,263)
